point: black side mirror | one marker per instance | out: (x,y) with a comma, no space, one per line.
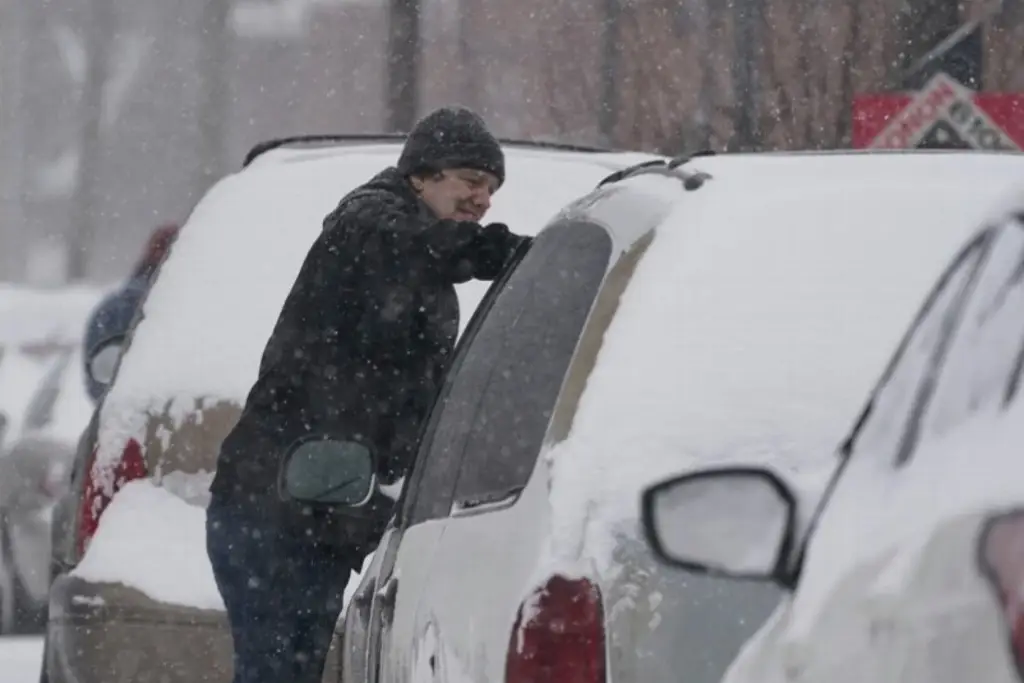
(731,522)
(103,359)
(325,471)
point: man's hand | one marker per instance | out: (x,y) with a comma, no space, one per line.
(494,246)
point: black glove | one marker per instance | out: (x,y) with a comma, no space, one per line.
(493,248)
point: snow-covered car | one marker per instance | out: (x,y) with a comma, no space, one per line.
(910,567)
(134,596)
(34,474)
(40,334)
(717,308)
(37,326)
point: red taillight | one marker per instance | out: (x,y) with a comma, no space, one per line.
(1001,554)
(96,496)
(558,636)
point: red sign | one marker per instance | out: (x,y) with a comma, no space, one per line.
(944,114)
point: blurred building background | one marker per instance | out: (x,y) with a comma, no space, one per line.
(117,116)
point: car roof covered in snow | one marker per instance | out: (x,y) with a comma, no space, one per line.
(759,318)
(215,301)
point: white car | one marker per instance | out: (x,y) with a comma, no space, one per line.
(134,596)
(41,414)
(713,309)
(34,474)
(37,326)
(910,569)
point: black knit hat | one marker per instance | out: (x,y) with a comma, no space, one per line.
(452,137)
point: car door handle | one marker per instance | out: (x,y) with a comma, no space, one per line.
(386,599)
(363,598)
(386,594)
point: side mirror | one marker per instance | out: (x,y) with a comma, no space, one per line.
(731,522)
(102,361)
(328,472)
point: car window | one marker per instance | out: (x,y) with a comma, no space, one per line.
(889,427)
(428,493)
(474,369)
(558,282)
(985,351)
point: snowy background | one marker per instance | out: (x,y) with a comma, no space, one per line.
(117,116)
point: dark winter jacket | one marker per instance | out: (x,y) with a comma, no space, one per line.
(364,336)
(111,318)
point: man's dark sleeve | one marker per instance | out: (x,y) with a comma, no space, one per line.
(452,251)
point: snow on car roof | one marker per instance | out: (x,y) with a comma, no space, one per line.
(757,323)
(30,315)
(217,297)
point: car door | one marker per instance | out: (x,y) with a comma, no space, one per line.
(390,594)
(407,640)
(496,526)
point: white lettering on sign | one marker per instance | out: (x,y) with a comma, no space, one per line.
(943,99)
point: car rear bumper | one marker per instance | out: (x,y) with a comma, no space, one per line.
(109,632)
(99,633)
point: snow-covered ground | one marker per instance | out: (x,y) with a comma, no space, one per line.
(20,659)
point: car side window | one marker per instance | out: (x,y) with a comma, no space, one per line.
(472,371)
(427,495)
(985,352)
(888,428)
(560,282)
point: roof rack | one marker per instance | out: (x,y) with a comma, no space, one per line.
(369,138)
(671,168)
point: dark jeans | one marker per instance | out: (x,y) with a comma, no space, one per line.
(283,593)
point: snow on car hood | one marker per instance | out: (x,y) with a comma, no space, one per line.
(753,330)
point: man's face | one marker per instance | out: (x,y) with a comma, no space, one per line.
(462,194)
